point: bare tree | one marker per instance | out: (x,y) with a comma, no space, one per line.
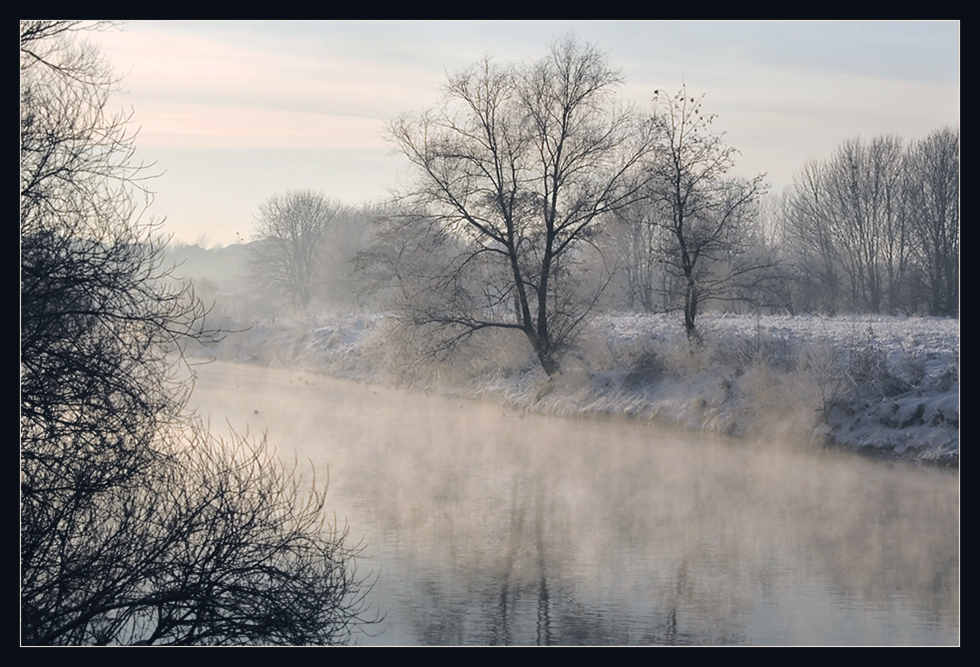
(350,233)
(704,210)
(287,236)
(634,241)
(407,252)
(857,224)
(934,192)
(863,208)
(211,542)
(137,526)
(520,164)
(810,244)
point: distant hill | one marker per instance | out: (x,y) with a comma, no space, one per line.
(221,265)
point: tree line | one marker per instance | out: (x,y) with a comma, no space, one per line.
(875,228)
(540,197)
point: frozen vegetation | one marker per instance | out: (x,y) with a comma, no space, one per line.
(884,386)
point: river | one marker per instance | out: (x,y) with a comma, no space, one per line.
(483,526)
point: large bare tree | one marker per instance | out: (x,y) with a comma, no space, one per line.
(520,163)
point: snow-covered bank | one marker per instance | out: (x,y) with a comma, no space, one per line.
(886,386)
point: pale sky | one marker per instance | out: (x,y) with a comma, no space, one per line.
(237,111)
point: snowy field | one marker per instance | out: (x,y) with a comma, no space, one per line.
(886,386)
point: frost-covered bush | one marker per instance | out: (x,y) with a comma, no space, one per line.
(867,368)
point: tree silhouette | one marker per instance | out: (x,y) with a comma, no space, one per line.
(138,525)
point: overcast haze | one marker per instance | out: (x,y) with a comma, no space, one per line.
(236,111)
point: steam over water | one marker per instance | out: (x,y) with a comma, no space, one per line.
(484,526)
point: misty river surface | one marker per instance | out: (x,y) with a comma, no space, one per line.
(483,526)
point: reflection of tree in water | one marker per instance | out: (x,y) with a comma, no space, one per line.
(668,618)
(542,622)
(528,537)
(543,625)
(531,596)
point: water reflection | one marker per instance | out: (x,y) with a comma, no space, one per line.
(493,528)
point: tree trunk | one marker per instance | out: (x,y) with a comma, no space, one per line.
(543,348)
(691,312)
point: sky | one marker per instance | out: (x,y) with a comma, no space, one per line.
(234,112)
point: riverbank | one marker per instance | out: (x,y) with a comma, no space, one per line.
(883,386)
